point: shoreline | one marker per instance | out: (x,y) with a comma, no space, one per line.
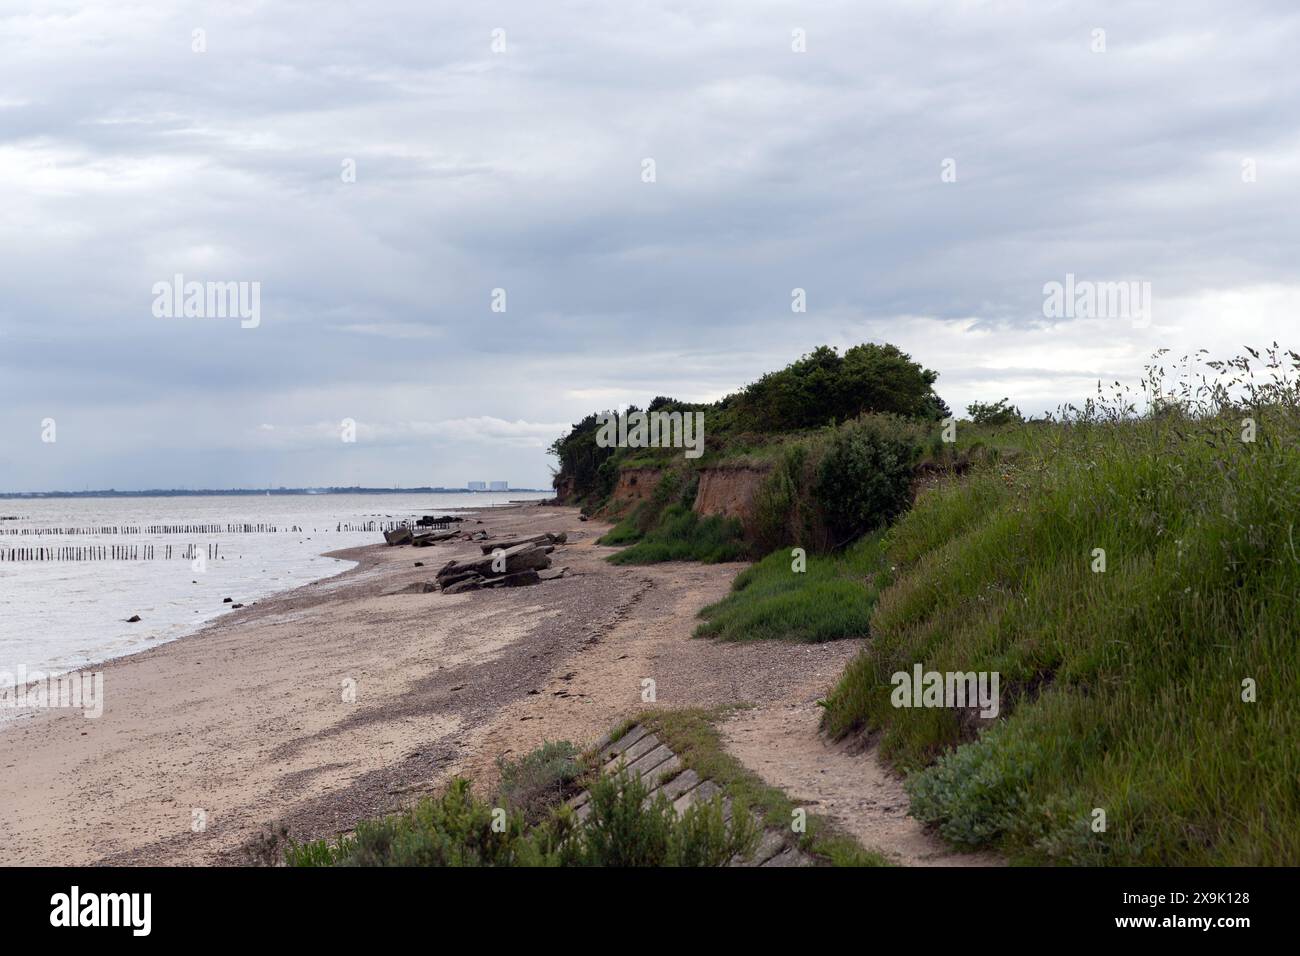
(352,696)
(147,687)
(160,629)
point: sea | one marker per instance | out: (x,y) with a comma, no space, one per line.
(172,562)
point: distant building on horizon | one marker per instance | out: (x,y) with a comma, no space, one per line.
(476,485)
(499,486)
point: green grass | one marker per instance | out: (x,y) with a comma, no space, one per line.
(691,734)
(831,599)
(681,535)
(1122,690)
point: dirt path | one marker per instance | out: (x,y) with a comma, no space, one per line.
(646,638)
(781,744)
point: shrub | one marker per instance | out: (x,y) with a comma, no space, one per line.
(454,829)
(864,480)
(540,779)
(994,413)
(824,387)
(624,828)
(975,793)
(776,504)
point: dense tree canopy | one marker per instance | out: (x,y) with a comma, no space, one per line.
(824,387)
(821,388)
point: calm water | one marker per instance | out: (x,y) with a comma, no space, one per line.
(55,616)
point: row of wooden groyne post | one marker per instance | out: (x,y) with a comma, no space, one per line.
(111,552)
(153,529)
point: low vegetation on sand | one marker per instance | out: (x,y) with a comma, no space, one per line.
(624,828)
(529,824)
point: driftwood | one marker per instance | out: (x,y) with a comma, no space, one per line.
(504,567)
(546,537)
(524,557)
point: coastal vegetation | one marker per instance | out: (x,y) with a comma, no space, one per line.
(839,437)
(831,598)
(692,734)
(1128,567)
(528,822)
(526,825)
(1133,578)
(822,389)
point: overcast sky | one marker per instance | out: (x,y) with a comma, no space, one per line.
(127,157)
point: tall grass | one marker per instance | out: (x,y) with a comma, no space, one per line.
(831,599)
(682,535)
(1124,690)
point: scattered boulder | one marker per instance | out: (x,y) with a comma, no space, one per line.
(398,536)
(227,600)
(419,564)
(552,574)
(133,619)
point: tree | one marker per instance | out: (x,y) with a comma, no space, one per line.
(994,413)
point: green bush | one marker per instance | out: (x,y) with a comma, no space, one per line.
(824,387)
(864,479)
(540,779)
(624,828)
(627,829)
(976,793)
(776,504)
(454,829)
(994,413)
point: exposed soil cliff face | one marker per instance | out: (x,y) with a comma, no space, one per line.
(565,490)
(634,486)
(729,491)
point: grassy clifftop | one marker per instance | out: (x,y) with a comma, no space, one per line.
(1157,688)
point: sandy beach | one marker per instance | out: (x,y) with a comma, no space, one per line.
(209,743)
